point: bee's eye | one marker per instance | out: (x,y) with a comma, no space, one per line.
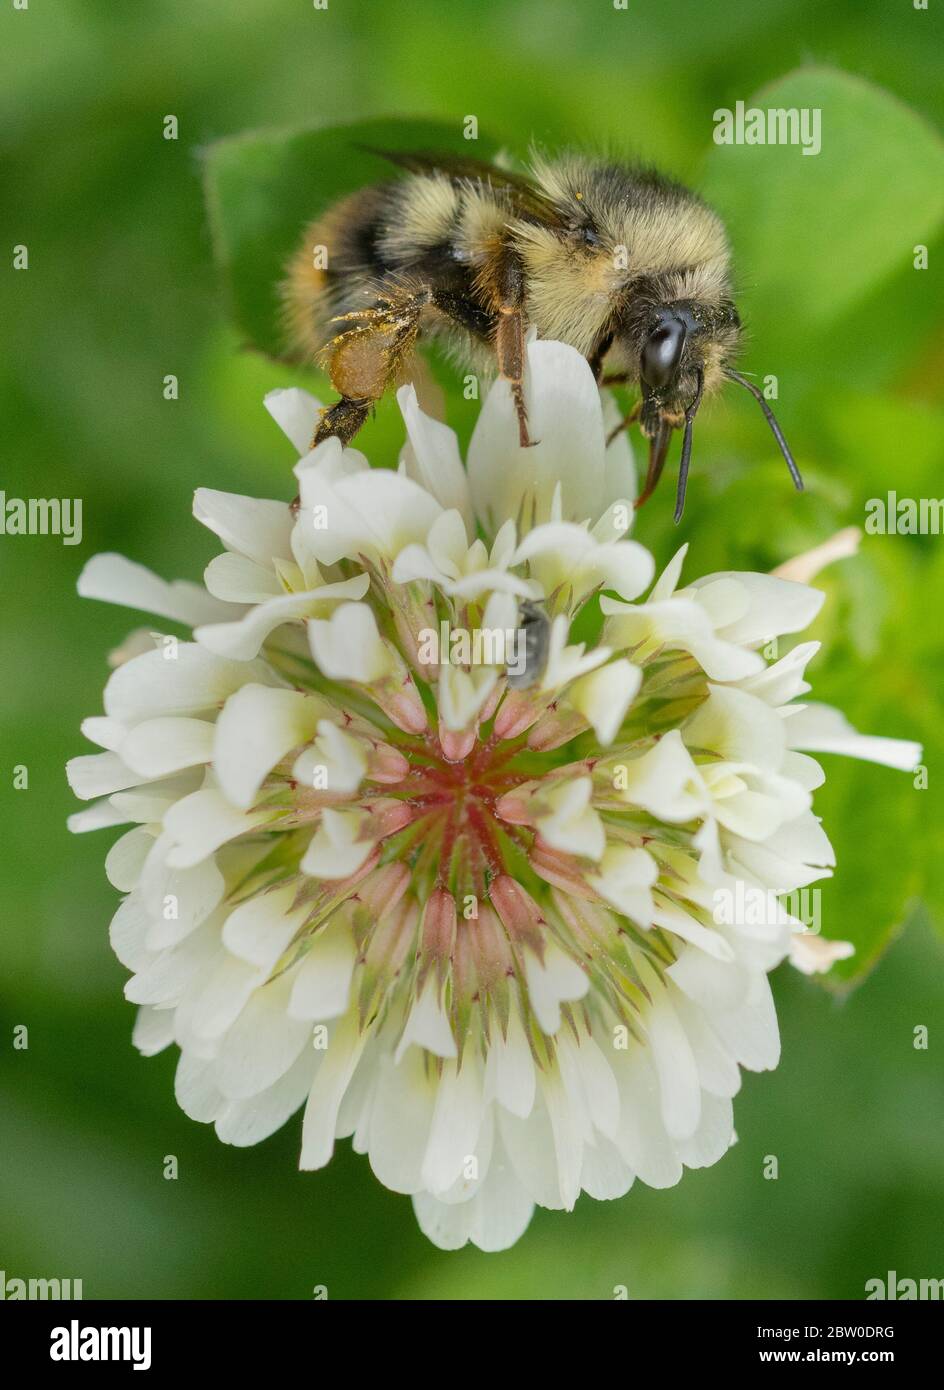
(661,352)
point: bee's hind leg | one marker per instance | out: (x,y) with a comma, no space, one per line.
(365,357)
(343,419)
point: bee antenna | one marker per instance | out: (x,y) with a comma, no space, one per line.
(772,422)
(685,460)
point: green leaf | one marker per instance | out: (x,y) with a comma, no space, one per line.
(263,188)
(815,235)
(873,817)
(885,825)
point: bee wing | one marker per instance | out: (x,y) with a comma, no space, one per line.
(464,169)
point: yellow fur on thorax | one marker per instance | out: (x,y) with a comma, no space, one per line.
(672,238)
(678,235)
(569,292)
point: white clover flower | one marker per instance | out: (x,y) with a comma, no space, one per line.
(470,927)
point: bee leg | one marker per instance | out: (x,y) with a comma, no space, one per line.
(658,453)
(628,419)
(595,359)
(509,335)
(343,419)
(366,356)
(509,348)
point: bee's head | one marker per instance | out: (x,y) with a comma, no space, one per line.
(683,350)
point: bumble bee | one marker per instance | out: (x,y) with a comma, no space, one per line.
(626,266)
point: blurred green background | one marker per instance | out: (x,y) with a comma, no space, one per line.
(121,290)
